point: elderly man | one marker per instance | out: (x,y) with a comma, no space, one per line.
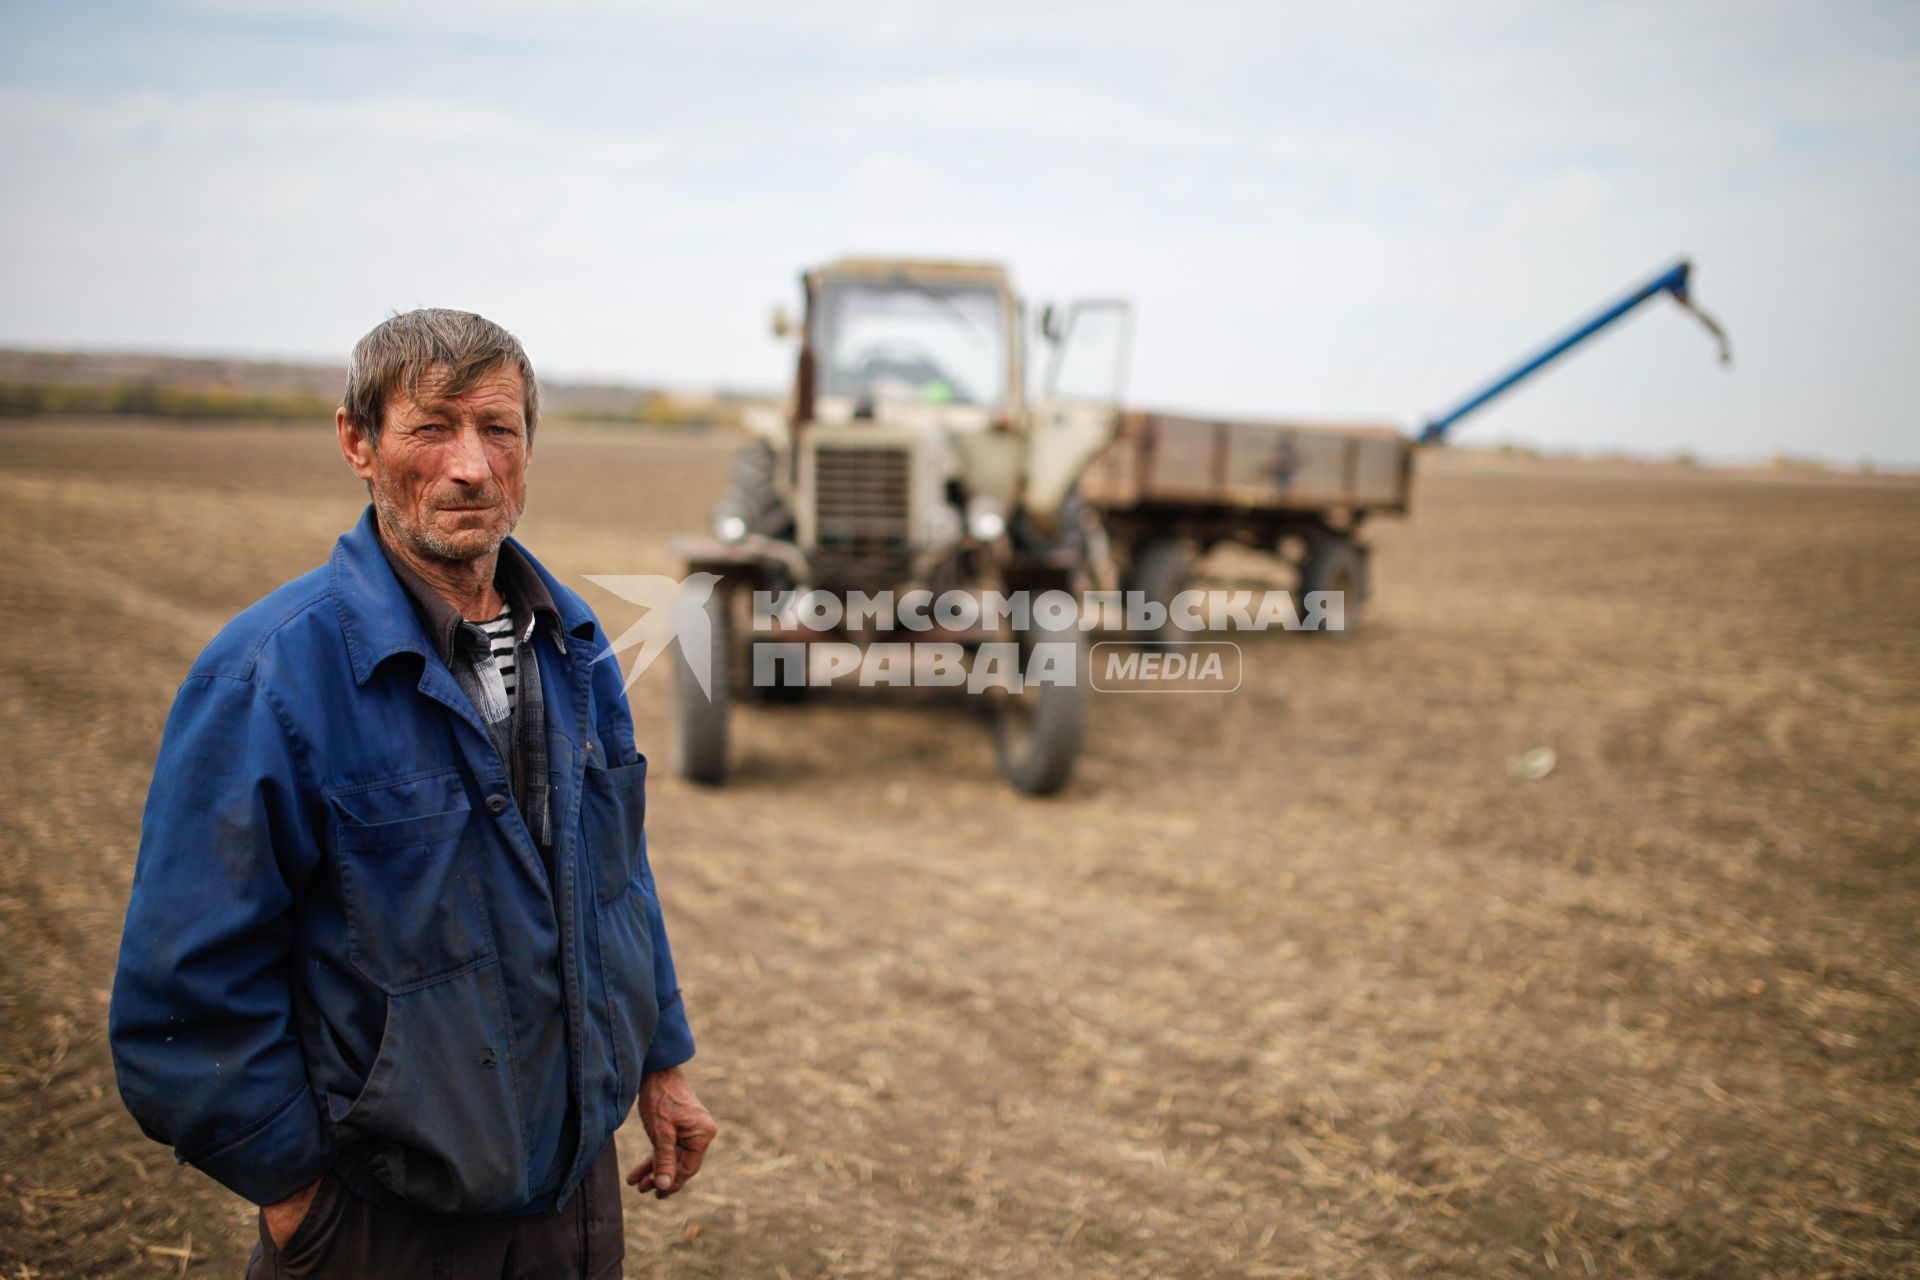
(394,965)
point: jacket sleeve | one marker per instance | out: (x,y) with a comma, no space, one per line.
(672,1037)
(202,1019)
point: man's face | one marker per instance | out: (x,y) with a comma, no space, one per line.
(449,474)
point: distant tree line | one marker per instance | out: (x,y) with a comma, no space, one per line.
(655,409)
(155,400)
(149,399)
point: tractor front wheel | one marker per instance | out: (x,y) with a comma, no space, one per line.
(703,712)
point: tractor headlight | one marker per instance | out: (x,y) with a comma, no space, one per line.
(986,518)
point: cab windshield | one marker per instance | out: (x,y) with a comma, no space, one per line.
(907,340)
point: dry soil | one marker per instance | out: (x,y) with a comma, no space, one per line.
(1299,981)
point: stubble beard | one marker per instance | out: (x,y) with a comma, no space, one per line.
(426,540)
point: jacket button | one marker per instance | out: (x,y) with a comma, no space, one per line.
(496,805)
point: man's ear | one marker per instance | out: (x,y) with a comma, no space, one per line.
(354,446)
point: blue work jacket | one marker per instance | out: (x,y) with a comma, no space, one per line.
(344,950)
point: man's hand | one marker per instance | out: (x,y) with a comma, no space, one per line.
(680,1129)
(285,1217)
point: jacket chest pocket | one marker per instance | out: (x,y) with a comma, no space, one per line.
(613,821)
(411,886)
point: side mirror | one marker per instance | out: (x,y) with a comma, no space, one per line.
(782,322)
(1049,323)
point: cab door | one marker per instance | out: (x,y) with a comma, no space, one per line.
(1079,407)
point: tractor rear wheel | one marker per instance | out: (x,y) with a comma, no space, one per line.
(1037,732)
(1159,572)
(752,495)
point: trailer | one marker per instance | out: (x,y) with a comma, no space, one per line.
(1169,488)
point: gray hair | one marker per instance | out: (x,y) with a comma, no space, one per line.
(402,349)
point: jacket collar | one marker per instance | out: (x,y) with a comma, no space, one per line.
(377,615)
(526,595)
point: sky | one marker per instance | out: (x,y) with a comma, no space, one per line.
(1359,210)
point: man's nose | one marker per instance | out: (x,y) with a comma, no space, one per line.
(467,462)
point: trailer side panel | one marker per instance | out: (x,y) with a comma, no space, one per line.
(1159,459)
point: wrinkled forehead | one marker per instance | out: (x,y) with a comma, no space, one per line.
(497,387)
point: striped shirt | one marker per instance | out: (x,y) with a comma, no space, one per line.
(500,637)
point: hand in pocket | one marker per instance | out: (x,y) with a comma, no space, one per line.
(284,1218)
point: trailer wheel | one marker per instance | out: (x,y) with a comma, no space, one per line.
(1037,732)
(1159,573)
(703,717)
(1337,563)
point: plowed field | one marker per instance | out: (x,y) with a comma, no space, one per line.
(1297,981)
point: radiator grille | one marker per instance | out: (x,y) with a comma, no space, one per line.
(863,502)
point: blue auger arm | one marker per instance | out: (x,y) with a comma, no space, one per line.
(1673,280)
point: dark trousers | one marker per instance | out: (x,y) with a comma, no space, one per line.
(344,1237)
